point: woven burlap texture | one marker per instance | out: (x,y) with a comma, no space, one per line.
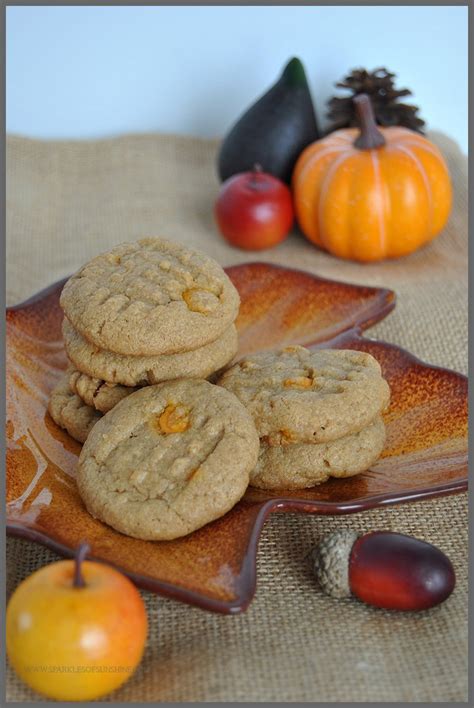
(67,201)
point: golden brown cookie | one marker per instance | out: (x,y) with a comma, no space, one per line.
(304,465)
(168,459)
(99,394)
(150,297)
(140,370)
(297,395)
(70,412)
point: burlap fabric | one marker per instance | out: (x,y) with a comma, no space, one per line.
(66,202)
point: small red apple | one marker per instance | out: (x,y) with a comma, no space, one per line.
(254,210)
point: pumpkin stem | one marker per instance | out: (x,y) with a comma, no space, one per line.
(82,550)
(370,136)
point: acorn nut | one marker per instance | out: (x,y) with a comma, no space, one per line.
(384,569)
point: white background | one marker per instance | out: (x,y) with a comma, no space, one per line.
(85,72)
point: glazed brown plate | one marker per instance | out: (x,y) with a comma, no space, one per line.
(214,568)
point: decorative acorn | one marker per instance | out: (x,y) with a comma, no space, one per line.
(384,569)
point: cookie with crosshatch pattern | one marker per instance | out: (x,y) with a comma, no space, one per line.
(297,395)
(150,297)
(168,459)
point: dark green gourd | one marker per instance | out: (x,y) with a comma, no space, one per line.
(274,130)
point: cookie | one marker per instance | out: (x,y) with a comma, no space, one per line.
(150,297)
(303,465)
(300,396)
(99,394)
(141,370)
(168,459)
(70,412)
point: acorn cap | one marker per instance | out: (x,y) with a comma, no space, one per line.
(330,561)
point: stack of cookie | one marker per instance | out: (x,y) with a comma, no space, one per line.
(143,313)
(318,413)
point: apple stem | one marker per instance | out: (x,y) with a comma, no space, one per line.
(82,551)
(257,170)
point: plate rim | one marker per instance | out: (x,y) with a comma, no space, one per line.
(246,581)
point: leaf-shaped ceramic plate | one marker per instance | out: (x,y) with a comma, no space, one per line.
(214,568)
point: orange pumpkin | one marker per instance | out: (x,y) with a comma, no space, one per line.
(371,194)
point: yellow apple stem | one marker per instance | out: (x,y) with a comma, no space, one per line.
(82,551)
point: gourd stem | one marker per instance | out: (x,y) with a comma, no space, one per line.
(294,74)
(370,136)
(82,551)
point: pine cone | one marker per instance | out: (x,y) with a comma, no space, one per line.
(379,85)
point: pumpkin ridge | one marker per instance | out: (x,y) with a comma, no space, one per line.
(314,157)
(431,149)
(309,157)
(395,132)
(306,156)
(429,192)
(378,183)
(325,185)
(302,177)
